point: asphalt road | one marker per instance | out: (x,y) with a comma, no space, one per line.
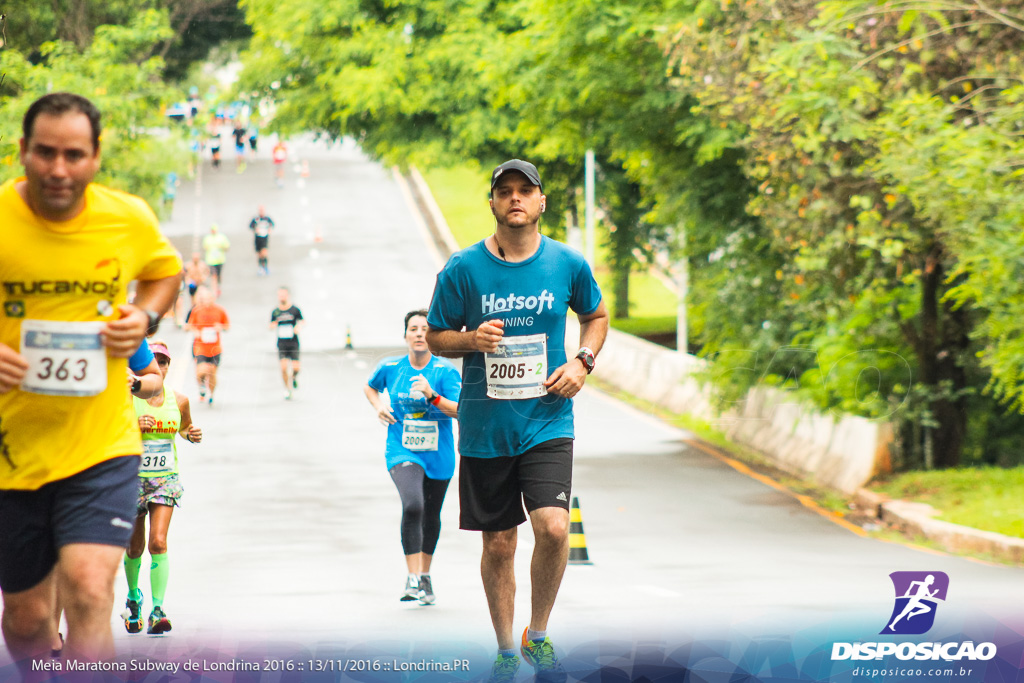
(288,538)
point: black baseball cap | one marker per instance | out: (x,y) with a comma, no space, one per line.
(524,167)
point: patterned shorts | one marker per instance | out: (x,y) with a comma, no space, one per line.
(161,490)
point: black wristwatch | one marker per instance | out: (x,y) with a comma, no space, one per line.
(586,356)
(136,385)
(154,321)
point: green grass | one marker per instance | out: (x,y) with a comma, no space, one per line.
(642,327)
(461,192)
(984,498)
(648,296)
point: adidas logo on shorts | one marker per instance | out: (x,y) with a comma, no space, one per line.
(561,497)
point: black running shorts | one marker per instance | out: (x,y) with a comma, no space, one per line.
(492,491)
(212,360)
(96,505)
(288,352)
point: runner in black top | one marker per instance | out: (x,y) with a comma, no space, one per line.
(261,226)
(287,319)
(239,132)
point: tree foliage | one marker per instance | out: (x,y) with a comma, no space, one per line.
(846,173)
(195,26)
(883,142)
(116,72)
(434,81)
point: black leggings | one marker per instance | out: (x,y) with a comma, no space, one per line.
(422,498)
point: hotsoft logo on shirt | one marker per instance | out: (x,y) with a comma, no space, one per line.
(490,303)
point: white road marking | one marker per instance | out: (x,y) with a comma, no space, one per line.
(657,591)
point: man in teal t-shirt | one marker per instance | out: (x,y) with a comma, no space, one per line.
(502,303)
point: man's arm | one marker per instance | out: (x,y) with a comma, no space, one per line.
(452,344)
(123,336)
(567,380)
(449,343)
(594,328)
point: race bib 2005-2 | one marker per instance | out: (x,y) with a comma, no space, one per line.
(518,368)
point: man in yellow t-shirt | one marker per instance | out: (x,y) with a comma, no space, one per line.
(69,443)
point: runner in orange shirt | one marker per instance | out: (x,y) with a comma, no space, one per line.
(280,155)
(207,320)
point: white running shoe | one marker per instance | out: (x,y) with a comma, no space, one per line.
(426,594)
(412,589)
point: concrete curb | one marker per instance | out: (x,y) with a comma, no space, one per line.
(434,218)
(917,519)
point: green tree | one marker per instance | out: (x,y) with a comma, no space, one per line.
(432,81)
(116,72)
(834,100)
(196,26)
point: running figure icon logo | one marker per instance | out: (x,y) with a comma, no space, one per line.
(917,596)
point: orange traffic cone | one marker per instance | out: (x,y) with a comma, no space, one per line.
(305,169)
(318,235)
(577,540)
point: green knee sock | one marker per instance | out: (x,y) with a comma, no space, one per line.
(131,572)
(159,572)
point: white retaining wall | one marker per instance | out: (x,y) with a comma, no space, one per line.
(840,451)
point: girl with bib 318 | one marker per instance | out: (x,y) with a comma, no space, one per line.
(161,419)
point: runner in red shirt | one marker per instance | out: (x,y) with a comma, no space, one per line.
(207,320)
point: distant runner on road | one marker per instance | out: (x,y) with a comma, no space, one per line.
(215,248)
(207,320)
(279,155)
(160,418)
(261,226)
(420,452)
(196,274)
(286,320)
(239,134)
(502,304)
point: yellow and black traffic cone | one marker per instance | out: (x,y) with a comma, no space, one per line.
(577,540)
(348,337)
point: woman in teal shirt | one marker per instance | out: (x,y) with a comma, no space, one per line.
(423,393)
